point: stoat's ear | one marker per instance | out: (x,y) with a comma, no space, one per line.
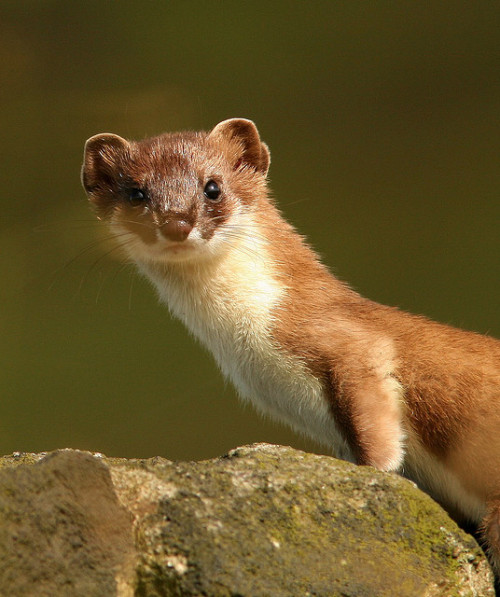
(252,151)
(101,157)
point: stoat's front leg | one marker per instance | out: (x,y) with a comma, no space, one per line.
(369,412)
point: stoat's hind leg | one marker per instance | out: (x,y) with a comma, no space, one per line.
(370,414)
(490,531)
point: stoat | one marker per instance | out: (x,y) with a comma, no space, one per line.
(376,385)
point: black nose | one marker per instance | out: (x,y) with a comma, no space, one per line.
(176,229)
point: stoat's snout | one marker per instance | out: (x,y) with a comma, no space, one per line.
(176,228)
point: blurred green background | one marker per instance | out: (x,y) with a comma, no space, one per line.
(383,123)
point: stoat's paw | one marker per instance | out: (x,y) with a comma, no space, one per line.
(379,424)
(388,455)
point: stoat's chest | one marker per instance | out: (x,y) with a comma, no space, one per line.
(231,307)
(228,305)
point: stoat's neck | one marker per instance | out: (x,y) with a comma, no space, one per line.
(232,293)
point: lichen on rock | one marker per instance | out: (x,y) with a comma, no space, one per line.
(262,520)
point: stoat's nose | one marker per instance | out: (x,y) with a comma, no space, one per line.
(176,229)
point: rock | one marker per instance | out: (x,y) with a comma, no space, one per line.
(262,521)
(62,529)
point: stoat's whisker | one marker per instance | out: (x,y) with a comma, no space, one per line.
(103,256)
(137,223)
(90,247)
(118,270)
(66,224)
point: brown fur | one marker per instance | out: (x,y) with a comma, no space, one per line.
(391,379)
(449,375)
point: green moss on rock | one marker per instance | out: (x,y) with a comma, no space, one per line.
(268,520)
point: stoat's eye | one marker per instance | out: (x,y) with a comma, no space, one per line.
(136,197)
(212,190)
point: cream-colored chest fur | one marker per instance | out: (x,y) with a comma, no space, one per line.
(228,303)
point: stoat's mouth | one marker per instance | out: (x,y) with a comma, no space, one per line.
(165,251)
(176,248)
(180,251)
(155,247)
(159,249)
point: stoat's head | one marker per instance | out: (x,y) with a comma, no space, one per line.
(178,196)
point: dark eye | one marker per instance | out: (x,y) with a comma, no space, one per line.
(212,190)
(136,197)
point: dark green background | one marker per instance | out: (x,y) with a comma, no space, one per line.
(383,123)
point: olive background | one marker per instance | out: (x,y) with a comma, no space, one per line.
(383,124)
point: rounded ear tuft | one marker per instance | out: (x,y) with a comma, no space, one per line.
(252,151)
(100,157)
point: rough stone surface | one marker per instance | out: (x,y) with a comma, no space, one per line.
(62,529)
(262,521)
